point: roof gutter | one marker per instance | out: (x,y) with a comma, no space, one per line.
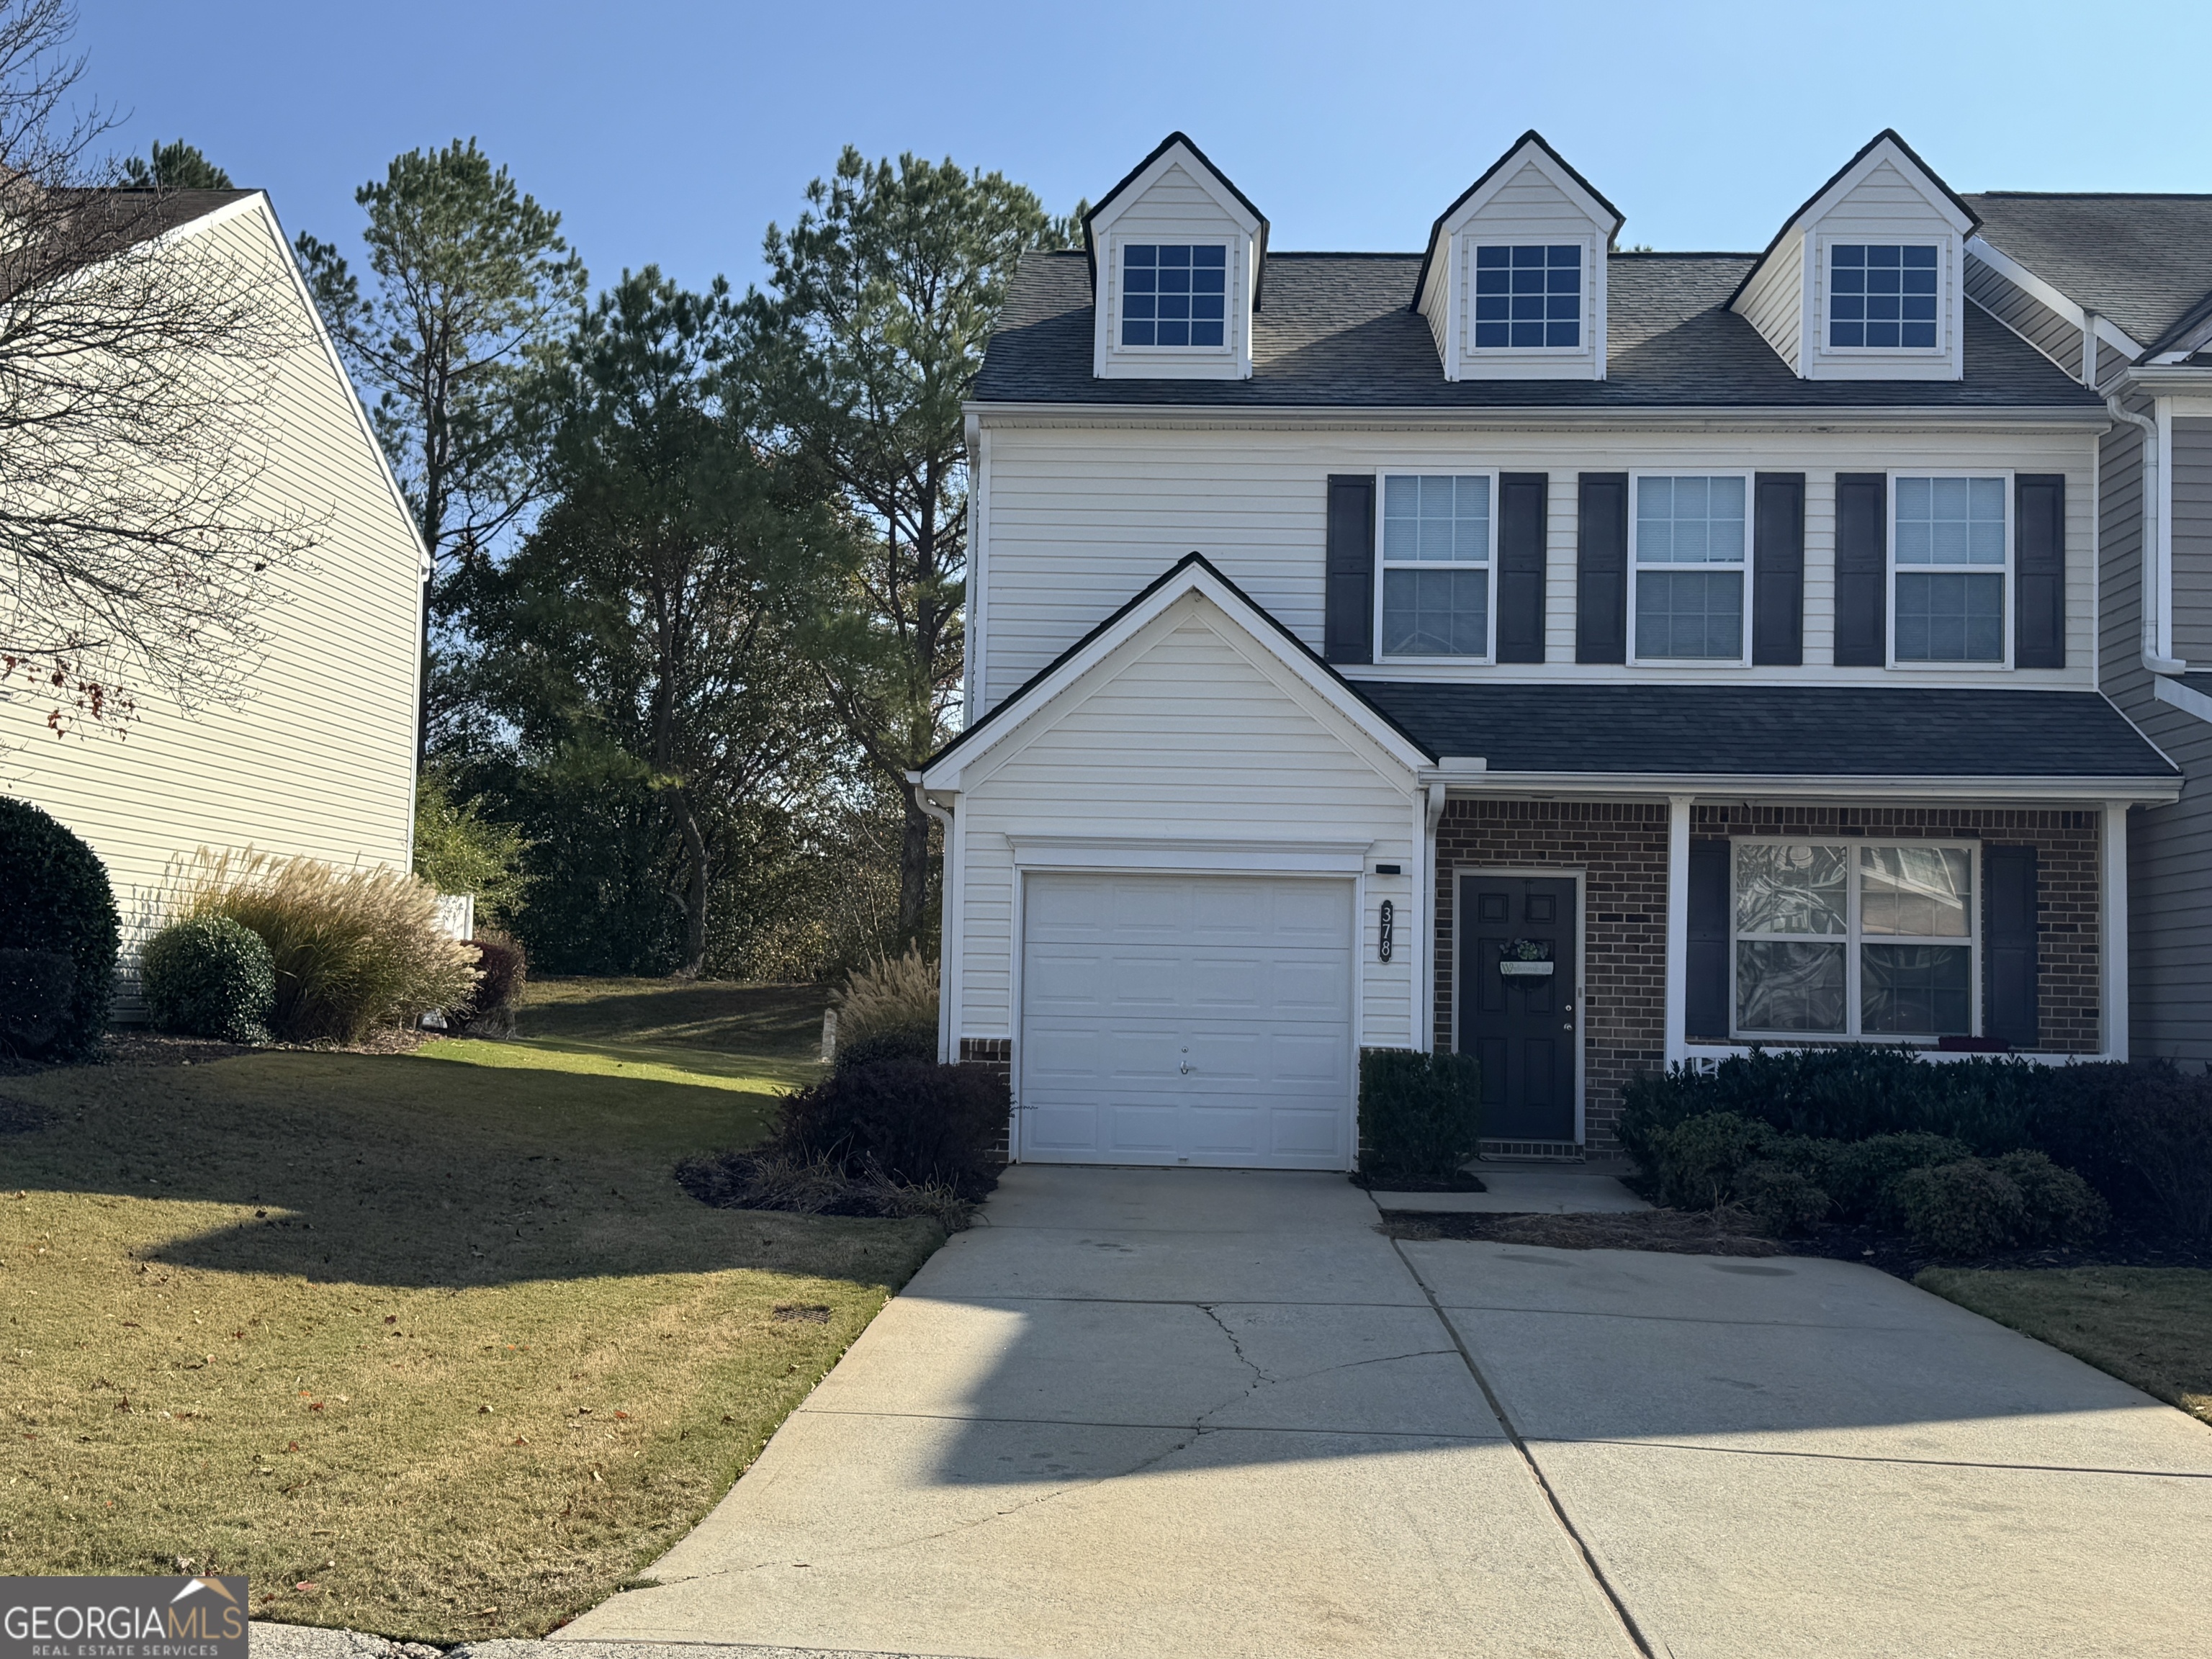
(2155,546)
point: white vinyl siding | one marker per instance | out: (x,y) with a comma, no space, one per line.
(1177,210)
(1080,519)
(1190,731)
(319,757)
(1774,301)
(1529,208)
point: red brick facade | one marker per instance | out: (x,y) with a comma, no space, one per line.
(1621,848)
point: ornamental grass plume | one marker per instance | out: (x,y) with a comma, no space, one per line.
(353,949)
(891,994)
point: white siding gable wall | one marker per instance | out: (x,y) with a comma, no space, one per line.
(1179,200)
(1191,731)
(1882,197)
(1531,199)
(1079,518)
(319,757)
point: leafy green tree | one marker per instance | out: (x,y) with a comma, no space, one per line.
(471,281)
(652,609)
(885,292)
(460,849)
(179,166)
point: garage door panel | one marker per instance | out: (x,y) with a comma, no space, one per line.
(1246,980)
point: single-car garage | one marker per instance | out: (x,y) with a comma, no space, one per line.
(1186,1019)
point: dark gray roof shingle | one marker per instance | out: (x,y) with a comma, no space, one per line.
(2143,261)
(1769,731)
(1336,331)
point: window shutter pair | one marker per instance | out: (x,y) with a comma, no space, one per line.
(1778,569)
(2038,570)
(1348,620)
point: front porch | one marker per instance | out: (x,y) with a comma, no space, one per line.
(1685,926)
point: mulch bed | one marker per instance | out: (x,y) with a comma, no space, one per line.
(1724,1232)
(1461,1182)
(1679,1232)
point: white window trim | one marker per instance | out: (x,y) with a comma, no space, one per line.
(1470,352)
(1892,568)
(1635,568)
(1946,280)
(1853,937)
(1382,564)
(1175,354)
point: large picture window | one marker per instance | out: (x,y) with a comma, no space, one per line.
(1849,939)
(1436,532)
(1951,544)
(1530,295)
(1882,294)
(1174,294)
(1690,541)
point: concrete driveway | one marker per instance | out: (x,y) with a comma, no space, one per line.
(1216,1413)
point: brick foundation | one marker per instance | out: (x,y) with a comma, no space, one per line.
(1621,848)
(998,1053)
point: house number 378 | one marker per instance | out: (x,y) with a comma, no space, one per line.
(1389,926)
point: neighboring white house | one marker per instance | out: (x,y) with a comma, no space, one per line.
(1591,660)
(319,757)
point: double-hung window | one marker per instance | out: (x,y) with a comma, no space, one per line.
(1854,938)
(1438,531)
(1951,544)
(1175,295)
(1688,543)
(1528,295)
(1882,294)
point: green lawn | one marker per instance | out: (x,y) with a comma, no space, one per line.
(428,1345)
(2149,1326)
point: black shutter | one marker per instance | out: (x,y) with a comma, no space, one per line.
(1601,569)
(2038,625)
(2008,943)
(1348,631)
(1705,975)
(1862,569)
(1522,500)
(1777,570)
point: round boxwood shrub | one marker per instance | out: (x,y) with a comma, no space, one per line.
(54,896)
(881,1042)
(209,976)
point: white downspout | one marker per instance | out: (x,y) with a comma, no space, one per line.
(1678,927)
(2153,515)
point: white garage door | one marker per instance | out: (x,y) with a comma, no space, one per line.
(1186,1019)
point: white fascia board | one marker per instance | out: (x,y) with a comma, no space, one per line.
(1208,180)
(2164,380)
(1722,418)
(1749,787)
(947,772)
(2187,699)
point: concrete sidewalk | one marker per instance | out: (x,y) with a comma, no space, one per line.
(1206,1413)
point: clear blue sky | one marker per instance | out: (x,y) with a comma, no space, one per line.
(673,132)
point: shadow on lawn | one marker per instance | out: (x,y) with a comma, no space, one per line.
(406,1172)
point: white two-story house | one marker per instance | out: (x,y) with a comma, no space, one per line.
(1586,660)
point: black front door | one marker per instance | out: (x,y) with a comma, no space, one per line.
(1516,1002)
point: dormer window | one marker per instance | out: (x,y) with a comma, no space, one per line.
(1882,294)
(1175,295)
(1528,295)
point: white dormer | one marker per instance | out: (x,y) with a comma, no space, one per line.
(1867,281)
(1176,258)
(1513,282)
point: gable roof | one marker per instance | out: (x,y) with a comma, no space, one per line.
(2145,261)
(1338,332)
(1181,577)
(1887,136)
(1531,139)
(1128,180)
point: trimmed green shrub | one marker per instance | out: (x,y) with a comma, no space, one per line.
(1787,1201)
(1857,1172)
(54,896)
(904,1120)
(1420,1114)
(2062,1207)
(37,991)
(209,976)
(1976,1206)
(873,1048)
(1699,1161)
